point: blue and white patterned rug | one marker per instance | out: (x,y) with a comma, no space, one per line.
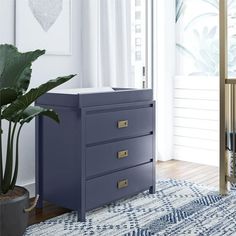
(177,208)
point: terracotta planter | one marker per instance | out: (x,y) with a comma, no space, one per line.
(14,218)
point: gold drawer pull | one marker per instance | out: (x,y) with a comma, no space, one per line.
(123,154)
(122,184)
(123,124)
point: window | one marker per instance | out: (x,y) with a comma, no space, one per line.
(138,42)
(197,37)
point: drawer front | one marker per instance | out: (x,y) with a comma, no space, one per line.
(111,125)
(118,155)
(114,186)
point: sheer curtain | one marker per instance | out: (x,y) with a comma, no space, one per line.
(164,73)
(106,37)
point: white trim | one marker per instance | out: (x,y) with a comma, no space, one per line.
(30,187)
(149,45)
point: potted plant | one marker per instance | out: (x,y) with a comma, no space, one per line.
(16,109)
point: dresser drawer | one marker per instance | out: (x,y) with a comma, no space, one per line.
(118,155)
(118,124)
(114,186)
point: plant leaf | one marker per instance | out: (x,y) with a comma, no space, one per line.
(214,3)
(9,161)
(180,7)
(195,19)
(31,112)
(185,51)
(25,100)
(15,67)
(15,173)
(7,95)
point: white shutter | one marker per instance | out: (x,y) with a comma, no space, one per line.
(196,119)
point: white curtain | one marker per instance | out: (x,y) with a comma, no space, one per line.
(164,73)
(106,43)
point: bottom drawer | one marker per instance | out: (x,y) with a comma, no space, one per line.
(114,186)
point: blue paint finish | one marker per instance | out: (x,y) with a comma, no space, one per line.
(38,161)
(103,126)
(152,189)
(139,151)
(76,161)
(139,178)
(119,96)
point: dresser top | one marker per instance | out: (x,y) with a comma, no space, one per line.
(89,97)
(76,91)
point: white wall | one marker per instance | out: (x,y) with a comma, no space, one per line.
(47,67)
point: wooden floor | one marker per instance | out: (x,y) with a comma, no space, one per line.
(201,174)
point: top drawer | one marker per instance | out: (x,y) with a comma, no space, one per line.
(118,124)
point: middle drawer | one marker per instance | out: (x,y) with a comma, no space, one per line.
(118,155)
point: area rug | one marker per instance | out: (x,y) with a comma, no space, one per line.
(177,208)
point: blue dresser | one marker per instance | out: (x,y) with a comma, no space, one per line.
(102,150)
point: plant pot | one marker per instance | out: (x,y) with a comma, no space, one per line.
(14,218)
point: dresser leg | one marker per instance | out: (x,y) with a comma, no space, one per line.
(40,202)
(152,189)
(81,216)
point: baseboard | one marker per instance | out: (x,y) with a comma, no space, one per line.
(167,158)
(31,188)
